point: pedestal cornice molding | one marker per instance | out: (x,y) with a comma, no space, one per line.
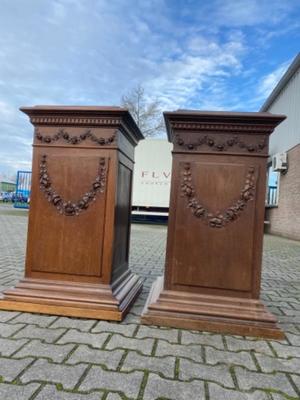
(215,127)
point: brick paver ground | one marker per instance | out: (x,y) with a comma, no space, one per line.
(57,358)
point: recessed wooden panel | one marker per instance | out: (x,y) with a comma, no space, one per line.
(216,258)
(121,240)
(60,232)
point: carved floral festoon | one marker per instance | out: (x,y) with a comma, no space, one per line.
(67,207)
(63,134)
(218,219)
(234,141)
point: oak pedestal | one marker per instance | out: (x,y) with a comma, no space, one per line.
(79,219)
(215,232)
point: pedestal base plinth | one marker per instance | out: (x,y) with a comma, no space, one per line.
(237,316)
(84,300)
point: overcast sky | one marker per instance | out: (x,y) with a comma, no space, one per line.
(209,55)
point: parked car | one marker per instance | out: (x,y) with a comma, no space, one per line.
(6,197)
(19,198)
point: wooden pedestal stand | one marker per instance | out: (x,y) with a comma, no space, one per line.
(215,233)
(79,220)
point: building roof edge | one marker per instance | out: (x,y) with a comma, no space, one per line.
(290,72)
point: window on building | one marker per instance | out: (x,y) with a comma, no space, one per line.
(273,187)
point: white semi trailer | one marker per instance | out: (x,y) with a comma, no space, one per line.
(152,179)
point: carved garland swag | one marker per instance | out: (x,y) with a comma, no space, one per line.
(222,146)
(66,207)
(218,219)
(63,134)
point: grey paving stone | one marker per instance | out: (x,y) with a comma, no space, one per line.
(93,339)
(167,349)
(44,371)
(280,341)
(217,392)
(83,325)
(131,319)
(219,373)
(141,300)
(165,365)
(202,338)
(158,387)
(36,319)
(113,396)
(104,326)
(229,357)
(259,346)
(294,305)
(276,311)
(34,332)
(16,392)
(277,396)
(292,313)
(10,369)
(49,392)
(254,380)
(273,364)
(9,346)
(7,315)
(294,339)
(292,328)
(171,335)
(136,309)
(83,353)
(296,379)
(145,346)
(7,330)
(286,351)
(276,298)
(36,348)
(127,383)
(289,319)
(280,303)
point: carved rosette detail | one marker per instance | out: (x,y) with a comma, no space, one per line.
(67,207)
(218,219)
(63,134)
(225,145)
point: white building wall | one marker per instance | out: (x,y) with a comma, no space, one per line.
(287,134)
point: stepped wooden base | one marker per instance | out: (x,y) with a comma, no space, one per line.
(82,300)
(246,317)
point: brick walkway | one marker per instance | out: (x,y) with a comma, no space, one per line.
(57,358)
